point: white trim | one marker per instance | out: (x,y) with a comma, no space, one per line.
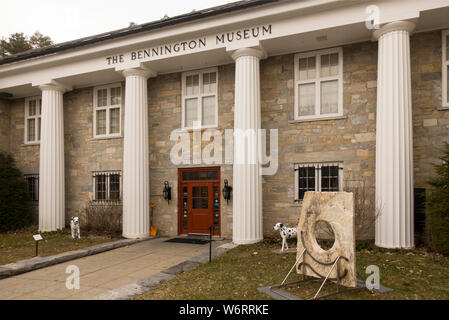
(107,108)
(199,96)
(445,65)
(317,81)
(36,117)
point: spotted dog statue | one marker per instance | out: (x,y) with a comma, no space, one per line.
(286,233)
(75,226)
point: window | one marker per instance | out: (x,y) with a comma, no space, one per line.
(33,110)
(319,84)
(445,86)
(319,177)
(107,187)
(107,111)
(32,181)
(199,98)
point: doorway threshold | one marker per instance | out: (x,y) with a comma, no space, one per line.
(201,236)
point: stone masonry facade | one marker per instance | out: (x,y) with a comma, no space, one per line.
(350,139)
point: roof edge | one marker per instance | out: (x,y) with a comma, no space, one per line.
(188,17)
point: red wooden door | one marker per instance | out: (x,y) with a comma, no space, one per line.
(201,209)
(199,201)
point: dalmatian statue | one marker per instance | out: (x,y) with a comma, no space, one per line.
(75,226)
(286,233)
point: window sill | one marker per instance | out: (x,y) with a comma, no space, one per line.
(29,144)
(443,108)
(318,119)
(106,137)
(106,203)
(199,128)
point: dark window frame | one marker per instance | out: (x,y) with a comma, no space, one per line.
(107,187)
(318,177)
(32,181)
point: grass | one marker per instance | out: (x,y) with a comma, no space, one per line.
(238,273)
(19,245)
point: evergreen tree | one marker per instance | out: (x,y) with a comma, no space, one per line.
(15,206)
(437,222)
(19,42)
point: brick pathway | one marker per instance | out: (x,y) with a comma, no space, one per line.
(102,272)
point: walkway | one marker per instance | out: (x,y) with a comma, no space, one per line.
(102,272)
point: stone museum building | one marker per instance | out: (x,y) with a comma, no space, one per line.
(347,94)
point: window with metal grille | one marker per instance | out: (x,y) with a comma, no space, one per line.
(32,181)
(107,187)
(319,177)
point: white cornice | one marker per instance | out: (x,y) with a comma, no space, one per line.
(295,27)
(182,30)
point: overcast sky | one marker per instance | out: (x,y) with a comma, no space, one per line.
(65,20)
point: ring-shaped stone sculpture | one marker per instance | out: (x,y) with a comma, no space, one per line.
(337,209)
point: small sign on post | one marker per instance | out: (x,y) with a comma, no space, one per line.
(37,238)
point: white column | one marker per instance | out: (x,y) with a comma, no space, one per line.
(51,171)
(136,181)
(247,189)
(394,140)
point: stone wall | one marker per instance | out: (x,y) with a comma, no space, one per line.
(4,125)
(430,122)
(85,154)
(26,155)
(164,100)
(350,140)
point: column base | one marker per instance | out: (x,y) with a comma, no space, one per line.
(393,247)
(50,230)
(246,241)
(138,236)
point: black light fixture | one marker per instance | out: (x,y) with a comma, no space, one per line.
(227,191)
(167,192)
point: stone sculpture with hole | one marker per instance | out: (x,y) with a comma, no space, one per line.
(337,264)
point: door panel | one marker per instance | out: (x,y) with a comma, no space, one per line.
(201,217)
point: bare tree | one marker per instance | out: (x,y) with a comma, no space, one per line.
(366,212)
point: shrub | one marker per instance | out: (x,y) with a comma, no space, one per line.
(15,204)
(365,210)
(437,215)
(102,219)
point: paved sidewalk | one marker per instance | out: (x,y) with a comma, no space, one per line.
(101,273)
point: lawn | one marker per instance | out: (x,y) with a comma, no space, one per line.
(238,273)
(19,245)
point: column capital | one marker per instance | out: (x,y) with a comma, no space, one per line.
(252,52)
(55,86)
(408,26)
(141,71)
